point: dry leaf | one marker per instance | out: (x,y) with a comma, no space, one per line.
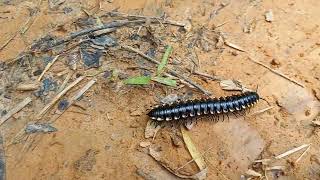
(193,150)
(151,130)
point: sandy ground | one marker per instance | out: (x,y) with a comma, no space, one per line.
(102,139)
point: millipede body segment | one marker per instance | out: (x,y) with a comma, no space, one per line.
(203,107)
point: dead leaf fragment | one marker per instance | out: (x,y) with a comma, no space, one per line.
(251,172)
(145,144)
(151,130)
(193,150)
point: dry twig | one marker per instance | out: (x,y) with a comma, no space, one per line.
(276,72)
(58,96)
(292,151)
(16,109)
(48,67)
(74,98)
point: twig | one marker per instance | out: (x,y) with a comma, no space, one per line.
(16,109)
(214,78)
(234,46)
(292,151)
(299,158)
(15,34)
(74,98)
(23,29)
(276,72)
(193,159)
(111,26)
(159,19)
(172,72)
(66,80)
(48,67)
(58,96)
(261,111)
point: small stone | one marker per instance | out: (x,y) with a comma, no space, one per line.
(37,72)
(275,62)
(63,104)
(145,144)
(269,16)
(234,53)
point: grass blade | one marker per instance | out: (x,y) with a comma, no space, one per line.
(164,60)
(166,81)
(139,80)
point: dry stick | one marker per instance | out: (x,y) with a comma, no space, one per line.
(15,34)
(292,151)
(161,20)
(172,72)
(48,67)
(22,30)
(193,159)
(16,109)
(110,26)
(74,98)
(66,80)
(56,98)
(299,158)
(276,72)
(261,111)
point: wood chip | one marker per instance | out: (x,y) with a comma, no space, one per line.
(16,109)
(145,144)
(281,168)
(251,172)
(28,87)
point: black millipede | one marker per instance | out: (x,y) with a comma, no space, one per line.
(186,110)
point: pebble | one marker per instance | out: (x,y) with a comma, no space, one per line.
(145,144)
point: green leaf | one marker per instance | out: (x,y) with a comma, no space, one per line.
(166,81)
(164,60)
(139,80)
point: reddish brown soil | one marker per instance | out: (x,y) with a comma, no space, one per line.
(103,141)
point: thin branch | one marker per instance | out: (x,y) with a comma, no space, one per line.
(58,96)
(74,98)
(16,109)
(48,67)
(159,19)
(276,72)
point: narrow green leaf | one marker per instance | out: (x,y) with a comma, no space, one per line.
(164,60)
(139,80)
(166,81)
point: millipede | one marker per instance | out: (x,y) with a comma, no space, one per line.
(184,111)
